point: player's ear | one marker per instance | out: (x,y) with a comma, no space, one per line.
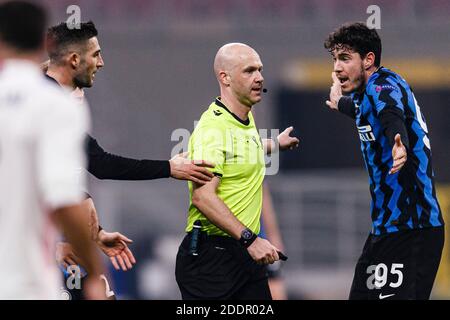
(369,60)
(74,59)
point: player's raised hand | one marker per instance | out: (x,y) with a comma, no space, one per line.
(183,168)
(335,92)
(115,246)
(285,141)
(398,154)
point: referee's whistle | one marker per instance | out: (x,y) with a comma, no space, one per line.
(282,256)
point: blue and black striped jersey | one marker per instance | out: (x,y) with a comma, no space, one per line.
(406,199)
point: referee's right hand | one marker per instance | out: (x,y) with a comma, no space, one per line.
(263,252)
(182,168)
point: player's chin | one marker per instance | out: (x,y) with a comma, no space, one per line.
(347,89)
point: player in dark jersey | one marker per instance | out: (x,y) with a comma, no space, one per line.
(402,253)
(75,57)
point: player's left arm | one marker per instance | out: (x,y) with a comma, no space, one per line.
(284,142)
(390,110)
(113,244)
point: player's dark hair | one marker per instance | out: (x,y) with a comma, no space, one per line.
(22,25)
(59,37)
(357,37)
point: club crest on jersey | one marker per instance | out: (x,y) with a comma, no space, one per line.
(366,133)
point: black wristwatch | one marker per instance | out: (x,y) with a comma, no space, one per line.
(247,237)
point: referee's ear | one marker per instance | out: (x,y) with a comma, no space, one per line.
(224,78)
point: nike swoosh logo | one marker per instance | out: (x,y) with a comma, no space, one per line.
(386,296)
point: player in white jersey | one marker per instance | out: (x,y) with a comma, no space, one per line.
(42,132)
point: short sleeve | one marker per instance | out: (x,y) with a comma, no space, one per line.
(209,143)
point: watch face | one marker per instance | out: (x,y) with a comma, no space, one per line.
(247,234)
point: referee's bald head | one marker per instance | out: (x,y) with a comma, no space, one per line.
(22,26)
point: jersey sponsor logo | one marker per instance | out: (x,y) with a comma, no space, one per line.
(381,296)
(217,112)
(366,133)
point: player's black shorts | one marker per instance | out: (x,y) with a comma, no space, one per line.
(223,269)
(400,265)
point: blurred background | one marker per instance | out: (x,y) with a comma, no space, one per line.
(158,78)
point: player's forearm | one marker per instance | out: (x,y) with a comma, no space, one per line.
(89,209)
(74,225)
(346,106)
(104,165)
(391,119)
(218,213)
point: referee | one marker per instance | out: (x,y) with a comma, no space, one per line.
(226,259)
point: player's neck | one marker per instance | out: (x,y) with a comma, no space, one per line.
(235,106)
(368,74)
(61,75)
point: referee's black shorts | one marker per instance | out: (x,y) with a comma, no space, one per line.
(400,265)
(223,269)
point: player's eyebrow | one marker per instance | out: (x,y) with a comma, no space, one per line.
(343,55)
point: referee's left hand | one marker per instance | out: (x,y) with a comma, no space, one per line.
(182,168)
(285,141)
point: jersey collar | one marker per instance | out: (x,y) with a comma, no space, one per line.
(219,103)
(51,79)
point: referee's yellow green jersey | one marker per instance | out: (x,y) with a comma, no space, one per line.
(235,147)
